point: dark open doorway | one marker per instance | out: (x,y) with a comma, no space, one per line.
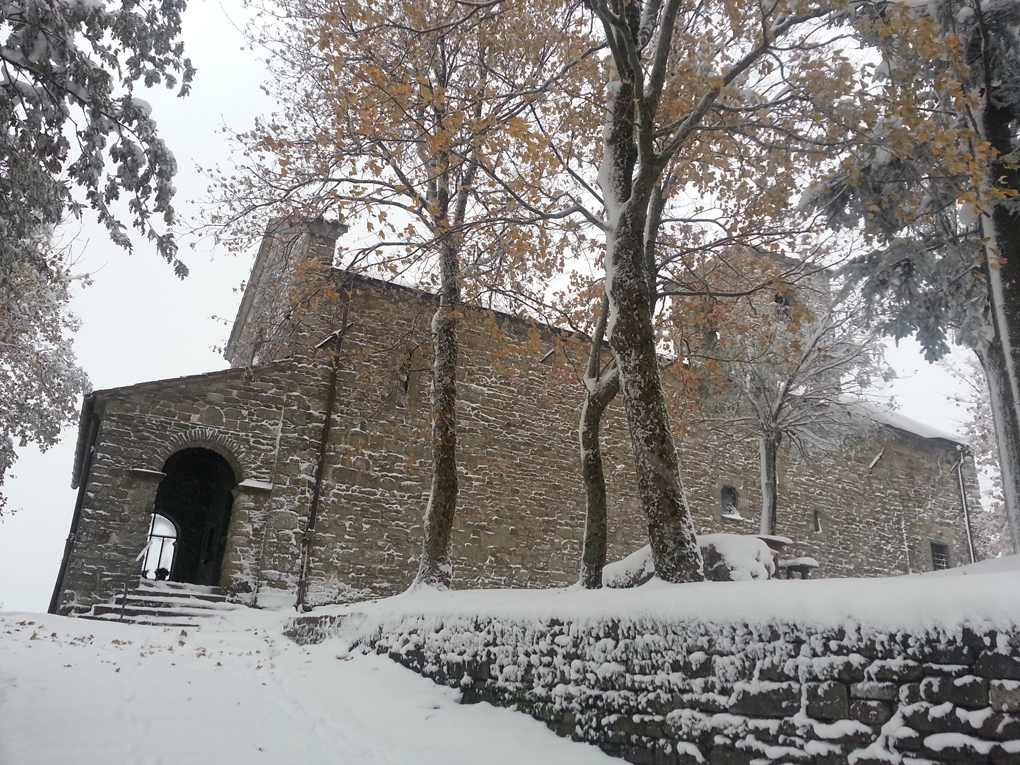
(196,496)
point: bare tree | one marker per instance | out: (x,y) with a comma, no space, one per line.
(992,537)
(408,122)
(699,99)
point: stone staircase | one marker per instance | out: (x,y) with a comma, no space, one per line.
(164,604)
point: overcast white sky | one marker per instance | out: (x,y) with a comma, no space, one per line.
(140,323)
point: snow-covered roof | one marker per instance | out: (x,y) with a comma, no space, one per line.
(884,416)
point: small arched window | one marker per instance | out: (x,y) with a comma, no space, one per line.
(729,502)
(403,384)
(784,300)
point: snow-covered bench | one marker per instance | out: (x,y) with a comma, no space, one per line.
(800,566)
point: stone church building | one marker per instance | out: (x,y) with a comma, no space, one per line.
(305,466)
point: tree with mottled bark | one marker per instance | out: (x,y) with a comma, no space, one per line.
(409,122)
(696,95)
(601,386)
(800,388)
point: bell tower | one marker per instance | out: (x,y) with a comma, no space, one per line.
(290,271)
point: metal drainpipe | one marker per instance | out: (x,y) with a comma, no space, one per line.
(320,467)
(86,472)
(963,501)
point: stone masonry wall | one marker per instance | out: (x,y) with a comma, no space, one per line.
(520,516)
(287,299)
(264,421)
(872,521)
(520,513)
(683,693)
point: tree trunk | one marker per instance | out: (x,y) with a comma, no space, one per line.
(768,446)
(435,567)
(670,527)
(600,390)
(628,189)
(1007,436)
(596,532)
(1002,275)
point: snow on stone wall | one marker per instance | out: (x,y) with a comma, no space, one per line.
(684,692)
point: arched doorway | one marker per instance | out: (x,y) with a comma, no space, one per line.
(196,496)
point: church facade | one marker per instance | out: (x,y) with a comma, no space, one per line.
(303,470)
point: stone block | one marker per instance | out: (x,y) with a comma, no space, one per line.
(998,665)
(968,691)
(686,756)
(765,699)
(832,758)
(474,695)
(910,693)
(870,712)
(941,718)
(866,759)
(882,649)
(730,755)
(211,416)
(869,689)
(639,755)
(851,670)
(774,670)
(1004,695)
(895,670)
(953,653)
(946,670)
(705,702)
(908,739)
(478,670)
(979,640)
(1000,727)
(697,664)
(561,729)
(1001,755)
(955,749)
(827,701)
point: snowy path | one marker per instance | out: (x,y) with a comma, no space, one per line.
(86,692)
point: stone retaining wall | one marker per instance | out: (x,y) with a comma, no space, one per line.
(685,693)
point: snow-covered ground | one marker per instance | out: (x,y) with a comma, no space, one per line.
(91,693)
(237,691)
(984,596)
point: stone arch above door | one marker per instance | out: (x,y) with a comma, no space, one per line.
(208,438)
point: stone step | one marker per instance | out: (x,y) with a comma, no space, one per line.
(115,609)
(150,621)
(166,604)
(171,587)
(171,596)
(137,599)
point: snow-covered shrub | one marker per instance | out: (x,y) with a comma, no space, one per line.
(636,569)
(728,557)
(736,557)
